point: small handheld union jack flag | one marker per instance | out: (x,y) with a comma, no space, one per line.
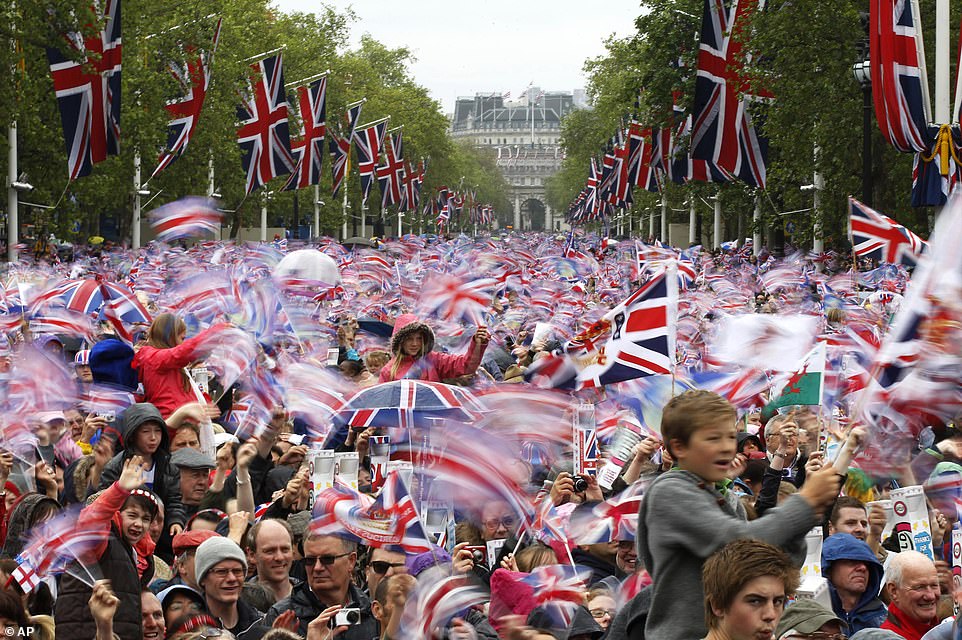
(185,218)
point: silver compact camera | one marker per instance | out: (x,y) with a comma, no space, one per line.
(347,617)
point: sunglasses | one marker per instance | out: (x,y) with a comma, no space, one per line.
(310,561)
(381,566)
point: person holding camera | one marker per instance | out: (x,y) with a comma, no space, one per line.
(328,590)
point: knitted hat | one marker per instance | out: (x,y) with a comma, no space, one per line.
(82,357)
(806,616)
(214,550)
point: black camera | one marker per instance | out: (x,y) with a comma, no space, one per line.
(581,485)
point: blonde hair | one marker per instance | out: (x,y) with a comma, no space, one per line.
(399,353)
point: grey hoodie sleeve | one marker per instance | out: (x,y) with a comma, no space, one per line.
(682,516)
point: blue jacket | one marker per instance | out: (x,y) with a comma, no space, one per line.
(869,612)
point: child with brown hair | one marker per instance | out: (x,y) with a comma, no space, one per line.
(688,513)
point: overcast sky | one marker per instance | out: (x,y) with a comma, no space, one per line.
(489,45)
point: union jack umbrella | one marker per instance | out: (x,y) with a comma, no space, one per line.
(263,136)
(87,85)
(89,296)
(309,150)
(722,128)
(185,111)
(408,402)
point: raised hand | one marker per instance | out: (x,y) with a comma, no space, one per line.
(134,474)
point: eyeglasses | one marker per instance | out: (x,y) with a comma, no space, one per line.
(222,572)
(381,566)
(506,521)
(310,561)
(601,613)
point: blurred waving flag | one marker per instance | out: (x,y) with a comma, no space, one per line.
(185,218)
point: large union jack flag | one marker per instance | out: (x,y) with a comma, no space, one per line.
(642,340)
(368,142)
(88,92)
(340,149)
(640,172)
(722,130)
(263,136)
(194,79)
(390,175)
(413,178)
(309,150)
(899,82)
(879,237)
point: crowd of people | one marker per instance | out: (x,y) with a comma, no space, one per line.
(186,513)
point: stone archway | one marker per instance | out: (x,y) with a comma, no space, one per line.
(534,213)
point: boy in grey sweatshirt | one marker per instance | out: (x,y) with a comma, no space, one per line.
(686,516)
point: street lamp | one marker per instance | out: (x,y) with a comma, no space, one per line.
(863,75)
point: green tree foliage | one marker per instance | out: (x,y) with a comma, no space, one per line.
(158,31)
(803,52)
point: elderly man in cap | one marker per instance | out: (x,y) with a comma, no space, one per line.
(195,470)
(221,567)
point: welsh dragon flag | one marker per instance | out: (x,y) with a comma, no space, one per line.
(805,386)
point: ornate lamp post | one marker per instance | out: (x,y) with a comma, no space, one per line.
(863,74)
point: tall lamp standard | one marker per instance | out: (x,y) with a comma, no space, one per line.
(863,74)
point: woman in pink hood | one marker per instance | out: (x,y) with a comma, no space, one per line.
(412,345)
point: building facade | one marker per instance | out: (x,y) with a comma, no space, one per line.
(525,134)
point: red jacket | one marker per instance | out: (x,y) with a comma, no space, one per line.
(433,367)
(104,512)
(161,372)
(907,627)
